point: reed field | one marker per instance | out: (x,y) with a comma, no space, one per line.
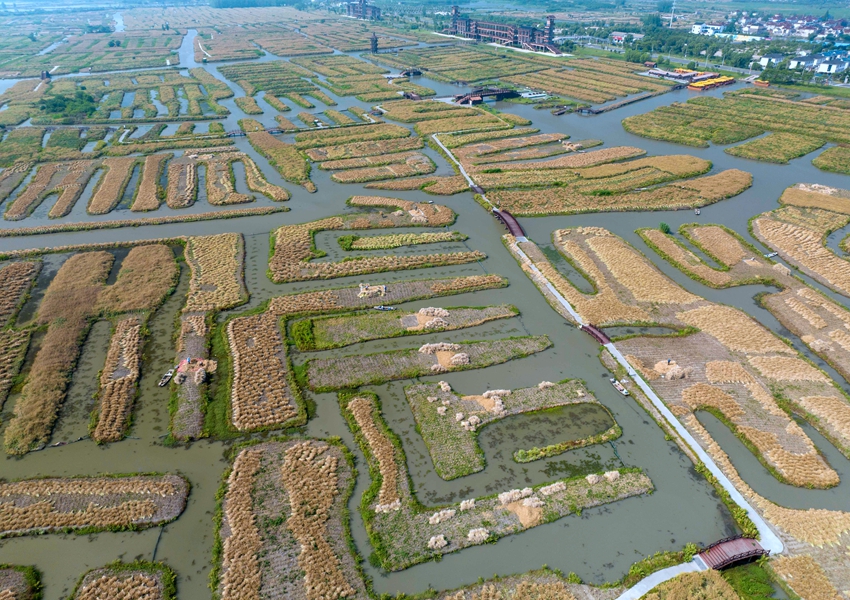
(835,159)
(327,374)
(57,505)
(777,148)
(804,127)
(217,281)
(138,580)
(404,532)
(443,186)
(293,244)
(261,392)
(298,551)
(118,381)
(323,333)
(75,296)
(604,180)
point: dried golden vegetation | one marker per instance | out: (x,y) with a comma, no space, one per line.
(293,246)
(813,195)
(261,394)
(146,276)
(786,368)
(66,306)
(797,234)
(639,276)
(13,347)
(54,504)
(15,279)
(311,481)
(149,196)
(708,396)
(381,448)
(217,281)
(182,188)
(75,296)
(604,306)
(816,527)
(835,412)
(112,184)
(684,257)
(284,157)
(704,585)
(806,577)
(240,566)
(66,180)
(719,243)
(524,590)
(118,380)
(734,329)
(123,586)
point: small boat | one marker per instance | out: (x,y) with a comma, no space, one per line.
(382,307)
(771,254)
(166,378)
(696,211)
(619,387)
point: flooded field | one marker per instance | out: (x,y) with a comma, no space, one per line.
(599,544)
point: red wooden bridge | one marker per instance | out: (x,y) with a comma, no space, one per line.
(596,333)
(730,551)
(509,221)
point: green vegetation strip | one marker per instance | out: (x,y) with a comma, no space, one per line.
(328,374)
(91,225)
(324,333)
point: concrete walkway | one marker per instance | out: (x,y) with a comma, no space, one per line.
(769,540)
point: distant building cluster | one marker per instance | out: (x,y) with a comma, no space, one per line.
(778,26)
(362,10)
(519,36)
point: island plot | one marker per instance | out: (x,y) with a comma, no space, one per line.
(404,532)
(721,361)
(89,504)
(77,296)
(796,128)
(140,580)
(725,362)
(816,319)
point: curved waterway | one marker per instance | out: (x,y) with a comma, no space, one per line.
(599,545)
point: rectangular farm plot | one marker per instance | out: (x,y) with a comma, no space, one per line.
(334,332)
(55,505)
(328,374)
(283,510)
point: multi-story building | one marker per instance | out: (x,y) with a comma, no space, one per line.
(521,36)
(361,10)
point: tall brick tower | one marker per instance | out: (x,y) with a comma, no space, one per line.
(550,28)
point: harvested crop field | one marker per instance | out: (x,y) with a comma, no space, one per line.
(138,580)
(352,371)
(217,280)
(15,281)
(304,556)
(261,393)
(293,248)
(92,503)
(118,380)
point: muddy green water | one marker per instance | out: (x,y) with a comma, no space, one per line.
(600,545)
